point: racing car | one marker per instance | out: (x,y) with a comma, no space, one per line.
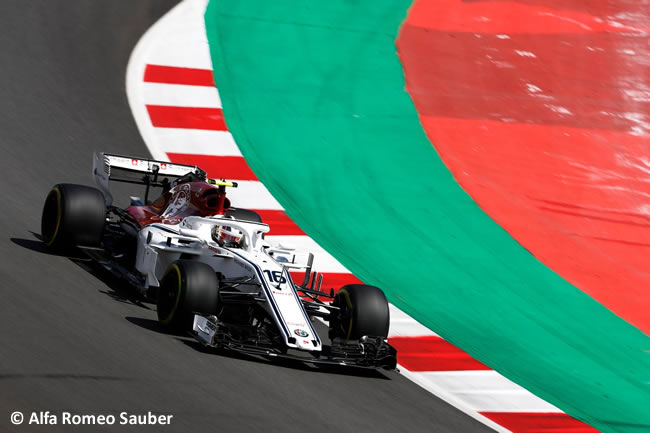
(210,270)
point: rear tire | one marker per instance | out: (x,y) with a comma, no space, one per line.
(363,311)
(73,215)
(187,287)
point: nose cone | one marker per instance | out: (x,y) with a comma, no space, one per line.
(305,344)
(305,340)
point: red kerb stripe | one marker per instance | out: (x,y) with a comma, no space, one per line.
(227,167)
(163,116)
(432,353)
(524,422)
(177,75)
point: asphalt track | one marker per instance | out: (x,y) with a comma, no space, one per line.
(72,340)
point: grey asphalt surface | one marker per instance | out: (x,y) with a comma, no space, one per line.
(71,340)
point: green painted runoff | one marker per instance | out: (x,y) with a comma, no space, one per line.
(313,93)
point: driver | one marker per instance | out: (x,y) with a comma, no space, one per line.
(227,236)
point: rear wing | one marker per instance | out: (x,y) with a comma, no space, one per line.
(149,172)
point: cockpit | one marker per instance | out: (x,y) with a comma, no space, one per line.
(228,237)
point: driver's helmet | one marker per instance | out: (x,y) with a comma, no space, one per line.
(227,236)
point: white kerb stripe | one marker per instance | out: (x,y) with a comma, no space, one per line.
(180,95)
(403,325)
(178,36)
(185,59)
(449,397)
(488,391)
(252,195)
(323,261)
(195,141)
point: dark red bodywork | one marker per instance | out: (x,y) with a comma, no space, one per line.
(187,199)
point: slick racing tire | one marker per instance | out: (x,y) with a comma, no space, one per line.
(244,214)
(187,287)
(73,215)
(363,310)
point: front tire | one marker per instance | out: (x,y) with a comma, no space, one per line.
(363,310)
(187,287)
(73,215)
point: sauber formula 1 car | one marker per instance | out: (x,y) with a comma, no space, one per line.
(209,268)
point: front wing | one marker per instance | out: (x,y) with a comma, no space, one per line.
(368,352)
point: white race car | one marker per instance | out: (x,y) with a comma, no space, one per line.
(210,270)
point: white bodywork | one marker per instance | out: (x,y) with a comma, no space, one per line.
(161,244)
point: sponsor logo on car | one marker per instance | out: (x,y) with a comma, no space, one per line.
(301,333)
(179,202)
(275,292)
(296,324)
